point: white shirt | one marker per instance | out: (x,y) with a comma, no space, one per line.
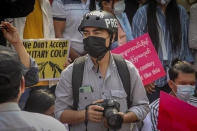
(13,119)
(48,28)
(72,12)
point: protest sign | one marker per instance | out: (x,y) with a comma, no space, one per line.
(50,55)
(142,54)
(176,115)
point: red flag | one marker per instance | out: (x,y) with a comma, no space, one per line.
(176,115)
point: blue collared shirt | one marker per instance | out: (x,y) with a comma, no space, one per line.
(124,22)
(139,27)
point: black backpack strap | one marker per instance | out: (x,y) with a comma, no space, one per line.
(77,78)
(124,75)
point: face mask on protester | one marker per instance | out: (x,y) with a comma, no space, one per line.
(163,2)
(184,92)
(95,46)
(119,7)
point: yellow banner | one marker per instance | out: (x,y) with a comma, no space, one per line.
(50,56)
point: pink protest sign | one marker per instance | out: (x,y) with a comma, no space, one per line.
(176,115)
(143,55)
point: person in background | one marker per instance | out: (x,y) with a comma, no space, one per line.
(30,70)
(131,8)
(186,4)
(193,34)
(40,101)
(167,24)
(12,85)
(67,15)
(182,83)
(37,25)
(117,8)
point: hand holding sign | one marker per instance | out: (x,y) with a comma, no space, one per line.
(10,33)
(150,88)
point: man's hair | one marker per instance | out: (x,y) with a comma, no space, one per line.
(8,93)
(173,23)
(39,101)
(92,5)
(178,66)
(10,74)
(100,3)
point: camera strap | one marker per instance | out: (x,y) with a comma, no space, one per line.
(77,77)
(124,74)
(86,116)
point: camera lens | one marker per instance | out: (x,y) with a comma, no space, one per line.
(114,120)
(111,109)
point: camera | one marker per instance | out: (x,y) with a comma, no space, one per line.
(111,109)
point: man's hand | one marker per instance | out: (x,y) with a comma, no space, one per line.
(122,115)
(10,33)
(95,113)
(150,88)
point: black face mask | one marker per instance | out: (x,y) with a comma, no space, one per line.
(95,46)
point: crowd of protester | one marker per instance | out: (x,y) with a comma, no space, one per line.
(29,104)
